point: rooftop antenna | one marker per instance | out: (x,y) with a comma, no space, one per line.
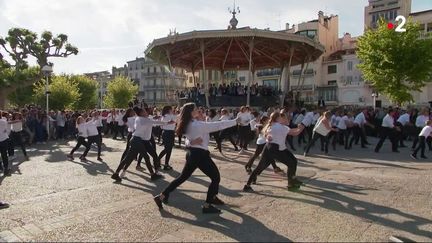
(234,21)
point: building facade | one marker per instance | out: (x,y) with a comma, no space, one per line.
(102,78)
(157,85)
(386,9)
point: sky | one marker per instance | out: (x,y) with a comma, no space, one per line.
(111,32)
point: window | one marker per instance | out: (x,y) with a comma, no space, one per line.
(308,33)
(190,80)
(148,70)
(296,72)
(154,69)
(154,95)
(392,3)
(154,82)
(349,79)
(429,27)
(242,78)
(331,69)
(332,83)
(350,65)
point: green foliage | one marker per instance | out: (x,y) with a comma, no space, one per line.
(120,91)
(87,88)
(64,93)
(395,63)
(21,96)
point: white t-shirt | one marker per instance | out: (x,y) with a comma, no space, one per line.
(299,118)
(82,130)
(421,120)
(360,119)
(17,126)
(131,123)
(91,128)
(404,119)
(388,121)
(168,118)
(426,131)
(308,119)
(3,130)
(342,123)
(253,124)
(245,118)
(278,132)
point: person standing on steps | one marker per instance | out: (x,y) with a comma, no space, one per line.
(168,136)
(388,129)
(197,156)
(276,132)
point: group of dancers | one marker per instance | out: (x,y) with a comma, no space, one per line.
(274,131)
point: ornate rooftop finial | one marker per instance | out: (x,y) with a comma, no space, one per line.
(234,21)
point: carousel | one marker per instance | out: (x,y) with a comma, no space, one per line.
(234,49)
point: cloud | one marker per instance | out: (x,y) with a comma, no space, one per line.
(111,32)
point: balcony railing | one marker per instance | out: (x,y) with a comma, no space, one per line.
(268,73)
(305,87)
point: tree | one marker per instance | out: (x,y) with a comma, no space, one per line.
(395,63)
(64,93)
(87,89)
(22,43)
(120,91)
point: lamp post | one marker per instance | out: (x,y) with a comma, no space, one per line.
(374,96)
(47,70)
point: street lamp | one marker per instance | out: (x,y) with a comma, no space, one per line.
(47,70)
(374,96)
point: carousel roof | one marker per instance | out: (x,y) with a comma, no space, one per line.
(230,49)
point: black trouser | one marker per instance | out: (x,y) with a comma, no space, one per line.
(81,141)
(60,132)
(226,133)
(302,137)
(179,140)
(387,132)
(315,137)
(258,151)
(168,137)
(120,129)
(429,142)
(4,145)
(150,147)
(244,136)
(290,142)
(197,158)
(270,154)
(344,134)
(309,131)
(94,139)
(334,135)
(14,140)
(417,131)
(422,146)
(358,134)
(137,146)
(128,138)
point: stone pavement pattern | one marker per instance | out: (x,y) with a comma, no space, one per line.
(352,195)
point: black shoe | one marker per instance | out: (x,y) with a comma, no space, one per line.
(4,205)
(413,156)
(70,157)
(100,159)
(248,169)
(155,177)
(158,202)
(423,157)
(211,210)
(7,172)
(217,201)
(167,167)
(116,177)
(296,182)
(235,149)
(293,188)
(247,188)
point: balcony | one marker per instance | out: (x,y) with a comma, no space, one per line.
(307,87)
(308,72)
(263,73)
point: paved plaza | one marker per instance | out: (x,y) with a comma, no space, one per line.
(355,195)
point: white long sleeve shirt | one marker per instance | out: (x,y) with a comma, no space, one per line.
(168,118)
(92,128)
(143,127)
(131,123)
(404,119)
(82,130)
(421,120)
(199,129)
(426,131)
(360,119)
(245,117)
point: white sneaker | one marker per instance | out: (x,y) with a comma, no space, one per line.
(123,174)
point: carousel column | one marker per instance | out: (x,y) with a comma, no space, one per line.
(251,46)
(206,92)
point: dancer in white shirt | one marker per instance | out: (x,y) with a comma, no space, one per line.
(82,135)
(425,133)
(276,132)
(388,129)
(93,135)
(244,117)
(197,156)
(4,144)
(16,134)
(168,136)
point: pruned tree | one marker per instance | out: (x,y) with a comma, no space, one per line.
(20,44)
